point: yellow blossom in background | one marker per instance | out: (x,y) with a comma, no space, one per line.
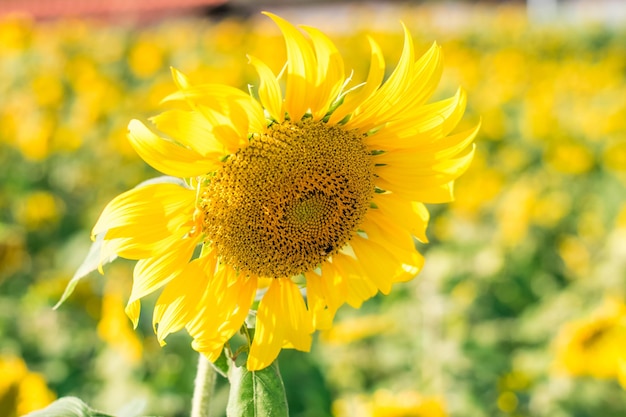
(620,221)
(551,208)
(33,137)
(509,386)
(145,58)
(13,254)
(384,403)
(15,32)
(508,401)
(595,345)
(477,188)
(323,185)
(48,90)
(615,156)
(21,391)
(514,211)
(357,328)
(114,327)
(570,158)
(38,209)
(575,255)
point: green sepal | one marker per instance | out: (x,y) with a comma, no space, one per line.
(256,393)
(241,357)
(68,407)
(221,364)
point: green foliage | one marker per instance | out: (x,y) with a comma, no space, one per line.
(68,407)
(257,393)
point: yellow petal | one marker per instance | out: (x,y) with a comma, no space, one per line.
(270,93)
(369,114)
(427,74)
(446,149)
(407,164)
(133,310)
(178,303)
(373,264)
(321,315)
(411,180)
(301,69)
(330,72)
(423,128)
(153,273)
(397,242)
(326,292)
(437,194)
(379,228)
(328,287)
(155,209)
(282,319)
(382,266)
(136,247)
(158,202)
(166,156)
(412,216)
(452,145)
(222,311)
(145,221)
(356,97)
(180,79)
(192,130)
(357,283)
(243,113)
(424,79)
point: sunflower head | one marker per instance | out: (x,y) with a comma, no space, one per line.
(298,191)
(306,197)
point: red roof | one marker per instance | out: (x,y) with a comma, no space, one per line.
(47,9)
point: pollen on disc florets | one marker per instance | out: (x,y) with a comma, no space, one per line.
(289,200)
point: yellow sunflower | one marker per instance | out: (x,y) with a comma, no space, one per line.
(301,202)
(594,345)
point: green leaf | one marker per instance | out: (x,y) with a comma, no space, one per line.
(134,408)
(68,407)
(90,264)
(256,394)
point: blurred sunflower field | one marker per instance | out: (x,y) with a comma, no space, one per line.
(519,310)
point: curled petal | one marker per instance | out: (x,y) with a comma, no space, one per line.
(166,156)
(270,93)
(330,72)
(362,93)
(178,303)
(282,320)
(222,311)
(301,69)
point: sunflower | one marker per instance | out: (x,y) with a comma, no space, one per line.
(594,345)
(291,205)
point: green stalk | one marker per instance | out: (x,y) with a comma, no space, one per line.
(203,390)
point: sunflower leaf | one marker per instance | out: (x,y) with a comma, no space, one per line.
(68,407)
(91,263)
(256,393)
(163,179)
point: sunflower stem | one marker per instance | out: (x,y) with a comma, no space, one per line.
(203,390)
